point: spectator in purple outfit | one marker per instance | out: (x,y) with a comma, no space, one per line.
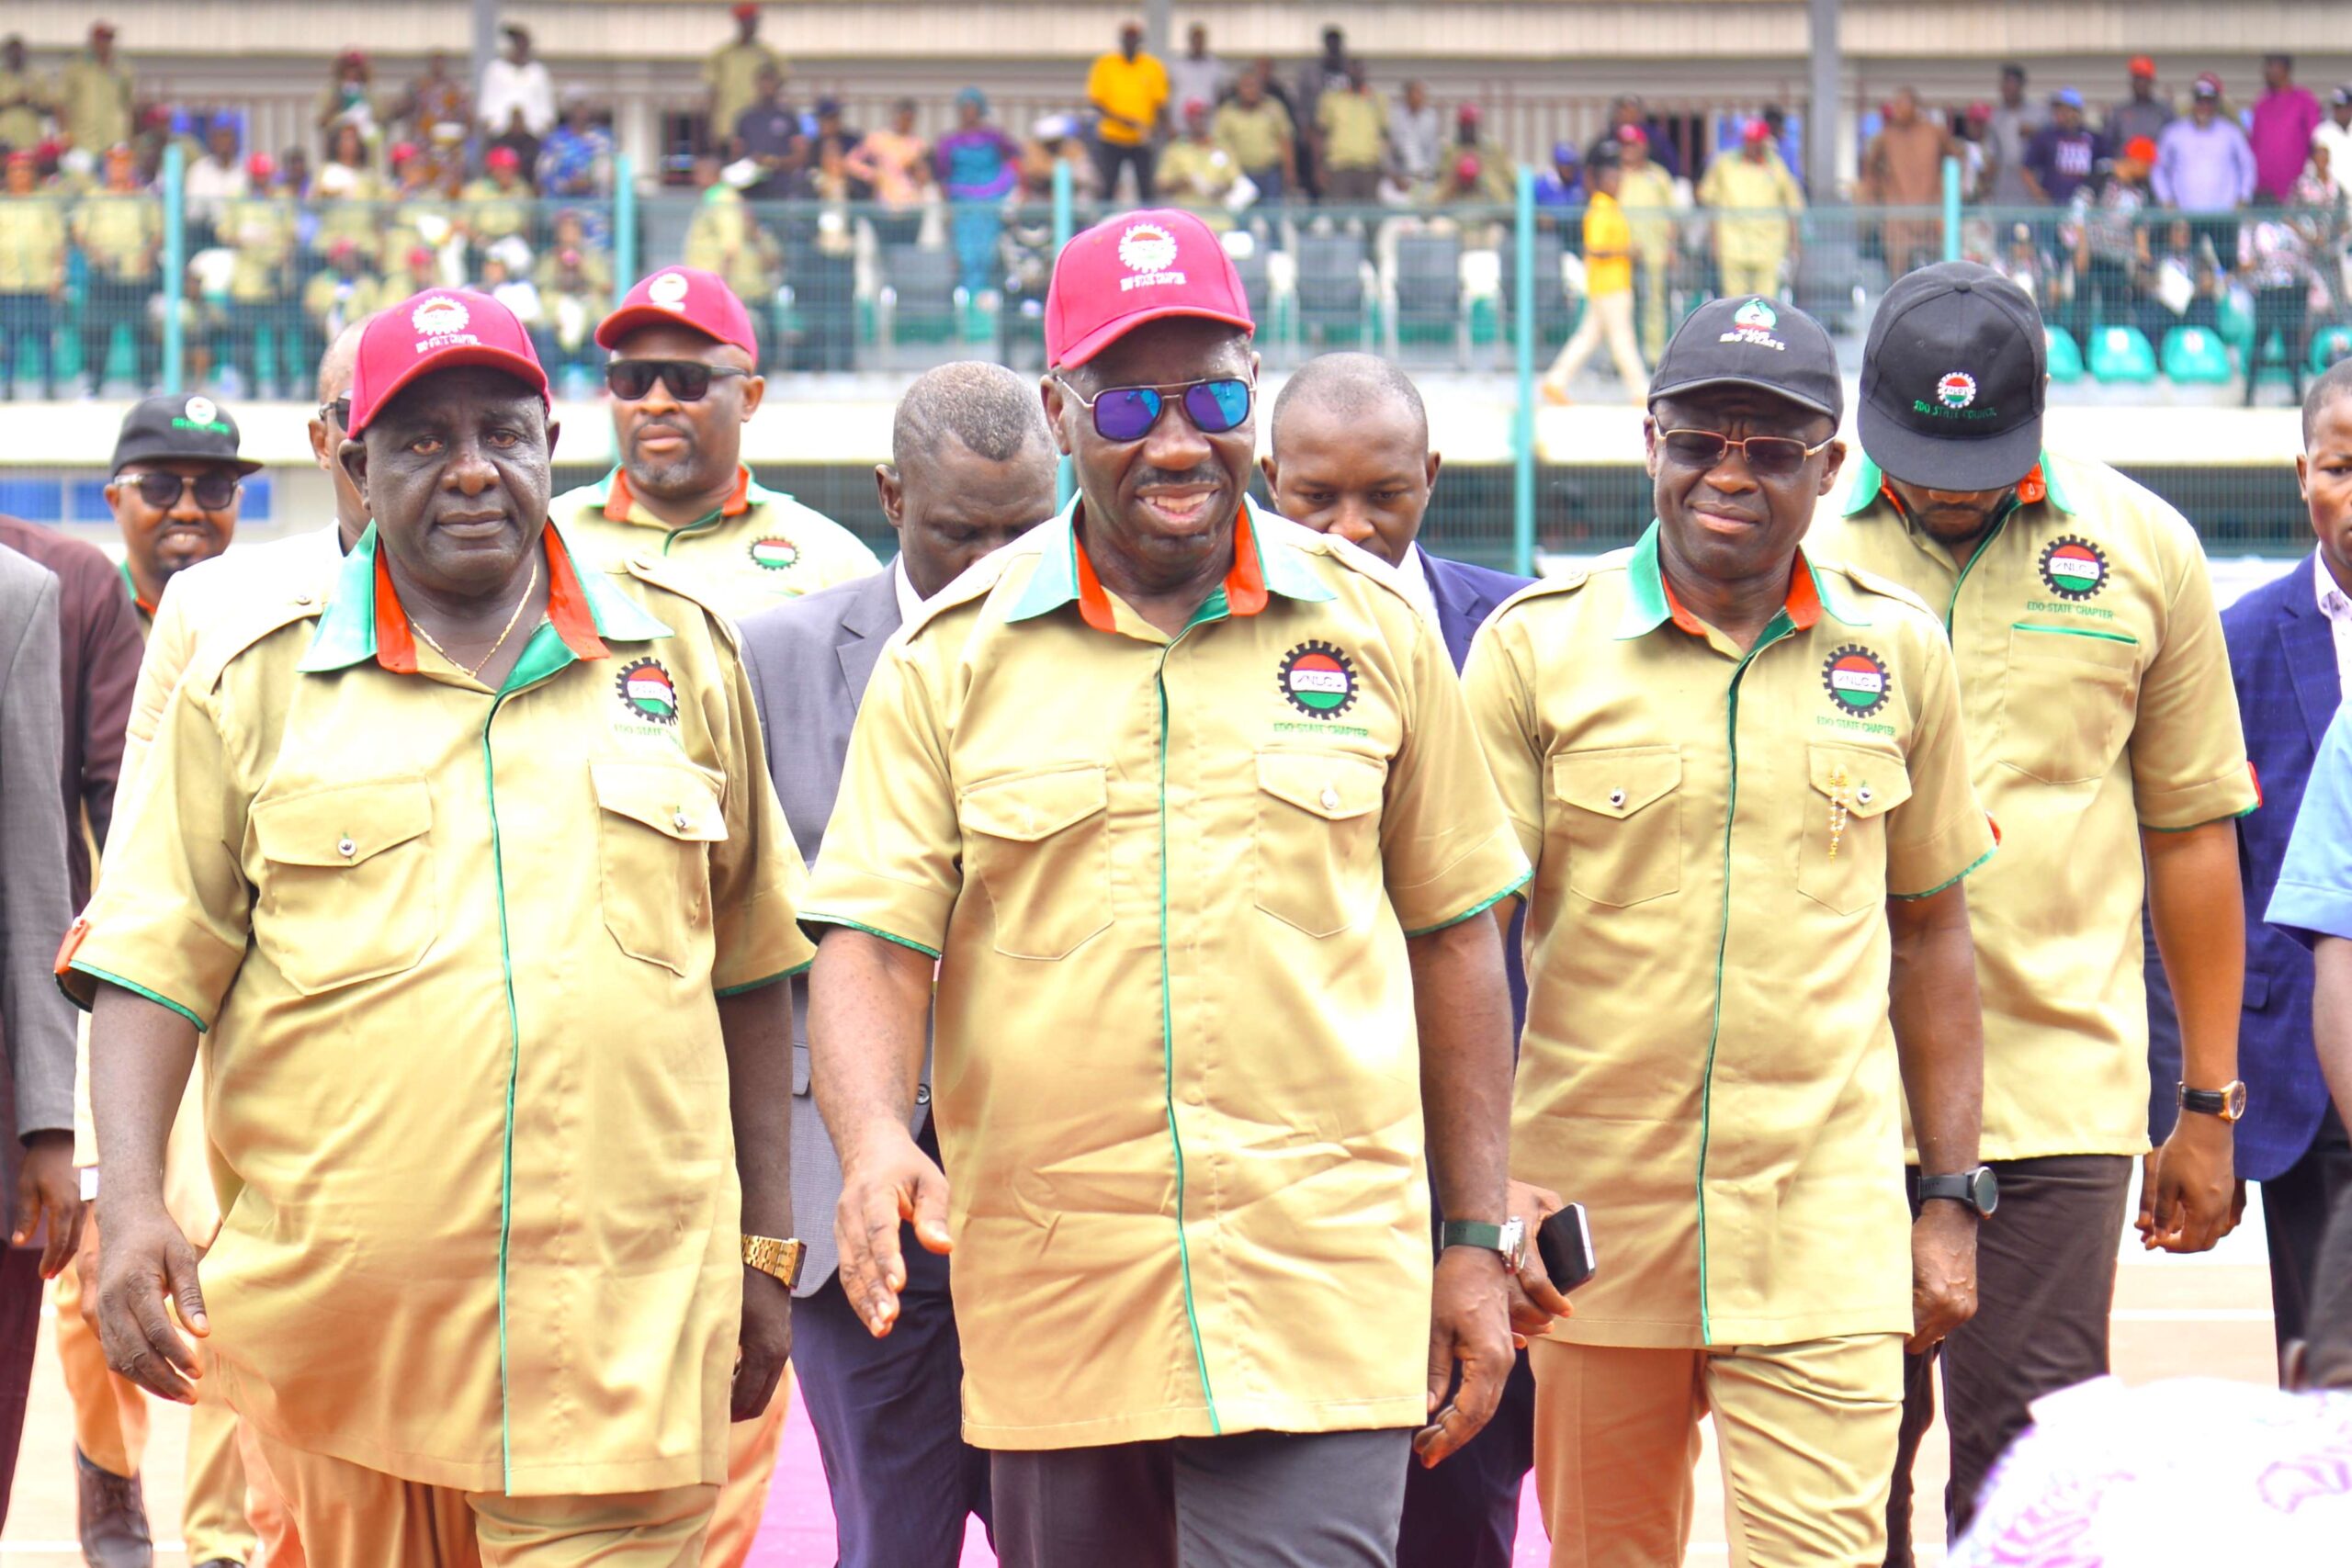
(2205,168)
(2284,117)
(979,166)
(2060,157)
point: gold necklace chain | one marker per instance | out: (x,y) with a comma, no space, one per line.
(475,673)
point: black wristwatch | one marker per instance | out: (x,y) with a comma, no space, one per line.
(1975,1189)
(2228,1102)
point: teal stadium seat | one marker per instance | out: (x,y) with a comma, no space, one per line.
(2196,358)
(2328,345)
(2065,357)
(2122,354)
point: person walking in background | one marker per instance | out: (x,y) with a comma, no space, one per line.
(1608,289)
(1752,252)
(732,74)
(972,470)
(2143,113)
(2281,128)
(977,165)
(1645,191)
(1128,90)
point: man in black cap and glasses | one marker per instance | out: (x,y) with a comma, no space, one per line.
(177,480)
(2105,729)
(1738,767)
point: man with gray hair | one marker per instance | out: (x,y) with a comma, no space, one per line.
(971,468)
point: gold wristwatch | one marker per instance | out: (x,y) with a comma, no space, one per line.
(780,1260)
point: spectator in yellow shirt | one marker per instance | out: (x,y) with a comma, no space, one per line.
(1254,126)
(1609,287)
(1750,251)
(32,273)
(1196,172)
(1351,134)
(1129,92)
(94,95)
(1646,191)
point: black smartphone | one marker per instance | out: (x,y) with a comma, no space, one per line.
(1565,1244)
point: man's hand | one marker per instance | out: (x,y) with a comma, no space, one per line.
(147,1264)
(85,1274)
(764,1346)
(887,1181)
(2189,1198)
(1534,1303)
(1943,1272)
(1469,1323)
(48,1189)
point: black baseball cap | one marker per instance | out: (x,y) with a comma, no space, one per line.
(176,426)
(1750,341)
(1953,380)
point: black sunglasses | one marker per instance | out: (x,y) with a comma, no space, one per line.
(1127,414)
(1769,456)
(338,414)
(688,379)
(162,491)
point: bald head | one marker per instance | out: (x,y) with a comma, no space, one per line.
(1350,453)
(335,363)
(971,469)
(327,435)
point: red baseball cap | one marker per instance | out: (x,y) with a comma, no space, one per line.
(1756,130)
(437,330)
(1142,267)
(686,295)
(2142,66)
(503,158)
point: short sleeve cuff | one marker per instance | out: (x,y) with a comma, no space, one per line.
(762,943)
(2308,912)
(1922,871)
(898,911)
(818,917)
(2176,811)
(162,959)
(1489,871)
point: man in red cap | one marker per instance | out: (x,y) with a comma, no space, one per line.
(1180,803)
(94,95)
(1751,253)
(732,74)
(2143,113)
(684,379)
(481,906)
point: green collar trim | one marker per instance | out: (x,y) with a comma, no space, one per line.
(346,634)
(1869,478)
(1646,605)
(1055,582)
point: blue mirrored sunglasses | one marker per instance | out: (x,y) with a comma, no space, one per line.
(1127,414)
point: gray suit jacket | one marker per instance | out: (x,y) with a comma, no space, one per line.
(35,906)
(809,661)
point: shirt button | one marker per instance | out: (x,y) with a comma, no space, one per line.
(922,1094)
(1863,796)
(1617,799)
(302,600)
(679,821)
(346,848)
(1194,1095)
(1330,798)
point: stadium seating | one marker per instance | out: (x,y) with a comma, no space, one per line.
(2065,356)
(2192,357)
(1333,303)
(2330,344)
(2122,355)
(1426,285)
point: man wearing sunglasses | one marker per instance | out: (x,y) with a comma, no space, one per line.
(685,380)
(1181,803)
(174,490)
(1740,771)
(2095,682)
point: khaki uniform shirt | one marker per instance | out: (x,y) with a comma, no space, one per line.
(1733,185)
(93,102)
(1647,196)
(1254,137)
(32,245)
(758,549)
(457,953)
(725,238)
(732,74)
(1354,127)
(122,233)
(260,231)
(491,214)
(1707,1062)
(20,121)
(2099,698)
(333,301)
(1188,1193)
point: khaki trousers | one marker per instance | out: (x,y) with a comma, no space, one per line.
(751,1469)
(1652,294)
(1805,1433)
(1750,277)
(1609,316)
(351,1516)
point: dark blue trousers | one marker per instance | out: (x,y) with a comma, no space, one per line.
(1465,1513)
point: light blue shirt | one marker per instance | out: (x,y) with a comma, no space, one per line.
(2204,168)
(2314,893)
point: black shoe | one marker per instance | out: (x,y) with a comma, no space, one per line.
(113,1515)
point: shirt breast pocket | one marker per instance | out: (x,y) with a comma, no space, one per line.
(1841,854)
(1621,812)
(1040,845)
(348,890)
(2067,700)
(1316,862)
(655,829)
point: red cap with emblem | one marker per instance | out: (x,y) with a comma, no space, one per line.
(685,295)
(437,330)
(1143,266)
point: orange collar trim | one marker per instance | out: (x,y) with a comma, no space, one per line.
(1803,605)
(619,500)
(2032,490)
(567,611)
(1245,581)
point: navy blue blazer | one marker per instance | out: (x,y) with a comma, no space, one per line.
(2282,659)
(1466,596)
